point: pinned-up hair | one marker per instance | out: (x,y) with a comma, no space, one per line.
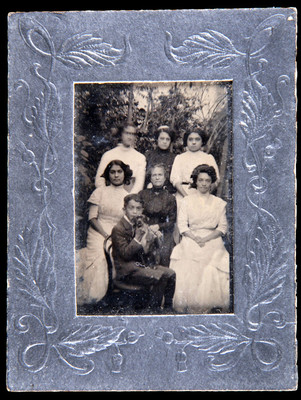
(166,129)
(204,168)
(201,133)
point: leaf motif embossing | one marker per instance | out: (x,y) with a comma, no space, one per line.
(209,48)
(34,269)
(84,50)
(74,348)
(266,268)
(46,112)
(267,261)
(223,343)
(89,339)
(34,258)
(205,337)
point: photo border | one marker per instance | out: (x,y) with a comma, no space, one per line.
(254,349)
(230,178)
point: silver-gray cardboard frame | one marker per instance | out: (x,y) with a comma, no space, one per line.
(49,347)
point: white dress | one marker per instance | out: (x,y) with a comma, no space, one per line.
(128,155)
(181,172)
(202,273)
(92,272)
(183,166)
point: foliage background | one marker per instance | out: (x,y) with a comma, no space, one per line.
(100,108)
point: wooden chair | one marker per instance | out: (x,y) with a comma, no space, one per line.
(122,295)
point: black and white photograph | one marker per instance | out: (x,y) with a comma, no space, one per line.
(152,200)
(153,197)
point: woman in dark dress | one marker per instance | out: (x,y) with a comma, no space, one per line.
(161,155)
(160,208)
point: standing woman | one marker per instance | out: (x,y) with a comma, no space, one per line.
(161,155)
(125,152)
(185,163)
(200,260)
(106,209)
(161,209)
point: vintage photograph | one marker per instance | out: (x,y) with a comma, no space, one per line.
(152,200)
(153,197)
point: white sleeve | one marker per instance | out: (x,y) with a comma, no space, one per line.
(93,211)
(182,221)
(223,223)
(214,165)
(139,176)
(175,174)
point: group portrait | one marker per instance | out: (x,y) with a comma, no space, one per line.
(153,197)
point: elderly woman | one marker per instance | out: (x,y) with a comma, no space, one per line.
(106,209)
(161,154)
(161,210)
(200,260)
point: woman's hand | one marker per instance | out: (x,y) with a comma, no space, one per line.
(200,241)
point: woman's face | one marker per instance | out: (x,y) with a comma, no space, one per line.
(116,175)
(164,141)
(203,183)
(194,142)
(157,177)
(128,136)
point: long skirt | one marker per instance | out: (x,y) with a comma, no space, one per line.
(202,276)
(92,270)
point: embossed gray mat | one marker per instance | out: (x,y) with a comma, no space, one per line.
(51,347)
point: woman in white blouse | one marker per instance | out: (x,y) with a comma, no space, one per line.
(125,152)
(106,209)
(185,163)
(200,260)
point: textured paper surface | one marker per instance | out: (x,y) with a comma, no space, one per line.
(51,348)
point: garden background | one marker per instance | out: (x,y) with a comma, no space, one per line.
(100,108)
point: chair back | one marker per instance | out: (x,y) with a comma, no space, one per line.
(114,283)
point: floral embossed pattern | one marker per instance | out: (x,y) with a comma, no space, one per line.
(245,350)
(266,270)
(34,261)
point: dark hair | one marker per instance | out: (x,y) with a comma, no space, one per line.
(200,132)
(204,168)
(125,167)
(166,129)
(132,196)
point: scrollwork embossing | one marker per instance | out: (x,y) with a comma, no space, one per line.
(266,252)
(34,259)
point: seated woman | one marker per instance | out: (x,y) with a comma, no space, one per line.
(160,208)
(106,209)
(200,260)
(162,154)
